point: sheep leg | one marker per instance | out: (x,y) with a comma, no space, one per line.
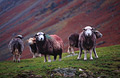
(49,59)
(72,51)
(39,55)
(80,53)
(34,55)
(45,60)
(85,54)
(69,49)
(19,57)
(94,50)
(55,56)
(91,55)
(14,58)
(60,57)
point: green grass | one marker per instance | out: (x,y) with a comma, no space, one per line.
(108,64)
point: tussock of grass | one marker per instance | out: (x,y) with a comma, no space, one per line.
(107,65)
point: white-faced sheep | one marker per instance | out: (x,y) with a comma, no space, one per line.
(73,41)
(49,45)
(33,48)
(87,42)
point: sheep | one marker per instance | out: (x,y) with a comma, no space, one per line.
(73,41)
(16,47)
(49,45)
(33,48)
(87,42)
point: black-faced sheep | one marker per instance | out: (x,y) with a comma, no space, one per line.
(33,48)
(49,45)
(87,42)
(16,47)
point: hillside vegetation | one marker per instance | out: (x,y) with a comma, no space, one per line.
(106,66)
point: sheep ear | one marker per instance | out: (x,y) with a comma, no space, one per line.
(83,28)
(98,34)
(35,35)
(44,34)
(93,28)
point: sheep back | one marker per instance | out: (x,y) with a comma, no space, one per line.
(58,43)
(13,42)
(52,45)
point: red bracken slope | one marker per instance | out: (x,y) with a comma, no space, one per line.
(61,17)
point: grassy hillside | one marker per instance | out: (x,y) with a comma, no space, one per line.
(106,66)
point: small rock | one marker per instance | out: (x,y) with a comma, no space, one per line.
(83,75)
(52,75)
(103,76)
(117,71)
(66,72)
(80,69)
(38,76)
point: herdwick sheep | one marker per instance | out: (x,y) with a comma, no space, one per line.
(87,42)
(33,48)
(16,47)
(73,40)
(49,45)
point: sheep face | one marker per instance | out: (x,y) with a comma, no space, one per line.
(31,40)
(40,36)
(88,31)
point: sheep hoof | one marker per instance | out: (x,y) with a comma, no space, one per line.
(14,60)
(68,52)
(45,61)
(18,61)
(54,60)
(39,55)
(49,60)
(96,57)
(78,58)
(59,59)
(85,59)
(33,56)
(91,58)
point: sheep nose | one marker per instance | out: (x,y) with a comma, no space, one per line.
(41,39)
(89,34)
